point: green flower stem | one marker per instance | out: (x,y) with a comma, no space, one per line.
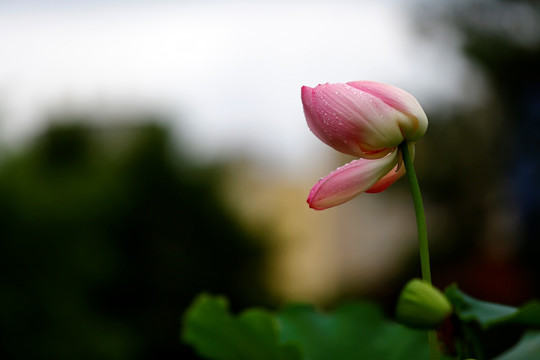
(419,210)
(434,353)
(422,235)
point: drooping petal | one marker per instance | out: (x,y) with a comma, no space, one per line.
(387,180)
(349,181)
(353,121)
(393,176)
(415,126)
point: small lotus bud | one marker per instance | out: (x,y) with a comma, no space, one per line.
(420,305)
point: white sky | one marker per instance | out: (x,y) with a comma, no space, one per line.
(228,74)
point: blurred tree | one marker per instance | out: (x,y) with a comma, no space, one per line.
(504,39)
(479,165)
(106,236)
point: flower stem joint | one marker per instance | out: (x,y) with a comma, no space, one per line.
(420,305)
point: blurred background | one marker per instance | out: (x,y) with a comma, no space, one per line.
(151,150)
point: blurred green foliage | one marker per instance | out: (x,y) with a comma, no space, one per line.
(359,330)
(217,334)
(352,331)
(486,330)
(107,234)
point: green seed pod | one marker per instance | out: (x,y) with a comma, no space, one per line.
(420,305)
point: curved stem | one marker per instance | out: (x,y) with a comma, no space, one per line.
(419,210)
(422,236)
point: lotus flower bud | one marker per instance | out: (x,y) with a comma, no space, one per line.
(366,119)
(421,305)
(363,118)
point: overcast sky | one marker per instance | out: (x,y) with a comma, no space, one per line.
(228,74)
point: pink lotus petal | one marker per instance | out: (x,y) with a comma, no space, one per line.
(349,181)
(393,176)
(353,121)
(387,180)
(414,127)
